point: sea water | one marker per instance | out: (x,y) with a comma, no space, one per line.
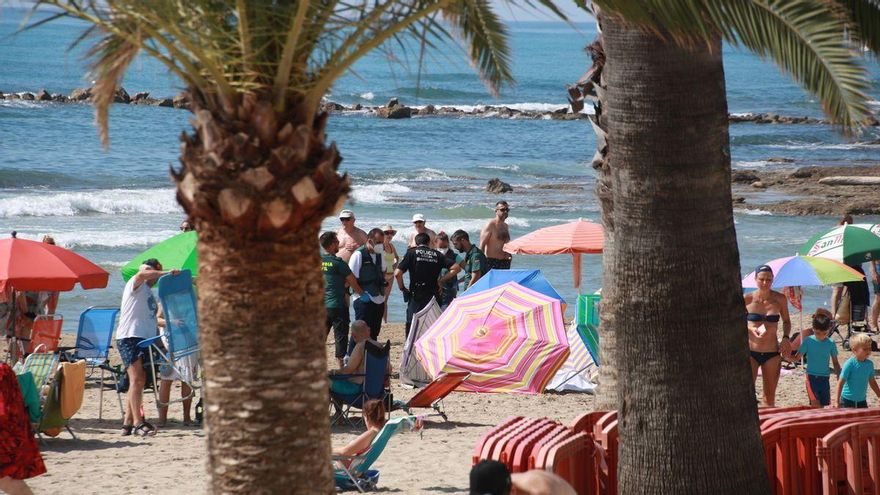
(109,205)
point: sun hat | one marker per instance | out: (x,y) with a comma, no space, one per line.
(388,228)
(418,217)
(346,214)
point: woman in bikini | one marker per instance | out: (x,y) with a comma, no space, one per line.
(374,417)
(766,308)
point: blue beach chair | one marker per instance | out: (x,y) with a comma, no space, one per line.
(181,330)
(93,338)
(373,387)
(352,472)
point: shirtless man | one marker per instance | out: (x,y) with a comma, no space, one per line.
(494,236)
(350,237)
(418,221)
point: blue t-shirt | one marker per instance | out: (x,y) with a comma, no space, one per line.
(856,373)
(818,354)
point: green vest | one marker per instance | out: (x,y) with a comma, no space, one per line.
(370,277)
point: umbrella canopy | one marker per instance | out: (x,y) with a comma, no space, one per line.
(37,266)
(799,271)
(175,253)
(850,244)
(575,238)
(533,279)
(510,337)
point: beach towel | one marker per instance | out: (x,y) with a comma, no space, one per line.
(30,394)
(411,370)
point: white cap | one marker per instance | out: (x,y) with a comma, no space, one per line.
(346,214)
(418,217)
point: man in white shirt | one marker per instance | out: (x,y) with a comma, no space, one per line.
(366,266)
(137,322)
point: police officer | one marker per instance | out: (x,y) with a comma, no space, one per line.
(366,265)
(337,275)
(424,265)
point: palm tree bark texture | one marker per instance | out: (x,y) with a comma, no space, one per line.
(257,183)
(686,402)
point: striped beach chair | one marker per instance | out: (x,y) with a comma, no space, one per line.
(41,366)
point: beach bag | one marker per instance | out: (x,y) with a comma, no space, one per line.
(844,309)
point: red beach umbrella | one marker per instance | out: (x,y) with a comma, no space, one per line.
(575,238)
(38,266)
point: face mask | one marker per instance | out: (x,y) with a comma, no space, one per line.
(443,250)
(378,248)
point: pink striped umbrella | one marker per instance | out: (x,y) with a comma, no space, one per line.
(511,338)
(575,238)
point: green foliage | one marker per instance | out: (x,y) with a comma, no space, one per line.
(818,42)
(291,50)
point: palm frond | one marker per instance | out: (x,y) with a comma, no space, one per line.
(113,55)
(806,38)
(487,38)
(863,19)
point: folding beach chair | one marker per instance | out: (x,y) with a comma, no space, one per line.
(45,333)
(93,338)
(181,336)
(433,394)
(354,471)
(64,399)
(376,362)
(41,366)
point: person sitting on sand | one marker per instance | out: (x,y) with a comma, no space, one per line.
(765,308)
(374,418)
(360,334)
(491,477)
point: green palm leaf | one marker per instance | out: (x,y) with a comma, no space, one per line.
(807,38)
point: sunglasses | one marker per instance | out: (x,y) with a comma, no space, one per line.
(419,221)
(390,232)
(344,219)
(503,209)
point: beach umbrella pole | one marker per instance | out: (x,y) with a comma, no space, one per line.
(576,271)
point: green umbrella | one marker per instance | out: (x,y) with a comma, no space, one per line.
(178,252)
(850,244)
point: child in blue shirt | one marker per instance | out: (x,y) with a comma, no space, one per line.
(819,349)
(857,374)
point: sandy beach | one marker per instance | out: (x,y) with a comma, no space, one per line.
(437,461)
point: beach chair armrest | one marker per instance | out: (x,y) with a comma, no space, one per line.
(346,458)
(148,342)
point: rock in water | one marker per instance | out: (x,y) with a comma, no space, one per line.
(748,176)
(842,180)
(396,111)
(43,95)
(81,94)
(141,95)
(427,110)
(498,186)
(393,102)
(121,96)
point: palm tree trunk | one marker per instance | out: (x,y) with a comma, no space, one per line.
(265,364)
(688,416)
(257,182)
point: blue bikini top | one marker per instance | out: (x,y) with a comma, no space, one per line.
(760,317)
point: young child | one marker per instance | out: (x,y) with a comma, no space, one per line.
(818,349)
(857,374)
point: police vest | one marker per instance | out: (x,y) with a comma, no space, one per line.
(370,277)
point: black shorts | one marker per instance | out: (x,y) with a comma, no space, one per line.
(129,351)
(497,263)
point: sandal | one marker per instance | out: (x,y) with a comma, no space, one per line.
(126,430)
(145,430)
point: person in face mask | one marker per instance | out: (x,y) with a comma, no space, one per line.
(366,266)
(449,289)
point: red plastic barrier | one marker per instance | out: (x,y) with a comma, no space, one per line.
(477,455)
(520,457)
(575,460)
(858,446)
(585,422)
(494,445)
(507,445)
(608,439)
(790,450)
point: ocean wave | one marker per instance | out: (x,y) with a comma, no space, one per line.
(376,193)
(107,201)
(751,164)
(821,146)
(754,212)
(92,238)
(512,168)
(367,96)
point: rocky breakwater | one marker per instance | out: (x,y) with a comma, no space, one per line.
(86,95)
(825,190)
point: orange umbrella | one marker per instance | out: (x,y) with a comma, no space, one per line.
(38,266)
(575,238)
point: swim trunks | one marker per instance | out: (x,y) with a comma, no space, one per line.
(493,263)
